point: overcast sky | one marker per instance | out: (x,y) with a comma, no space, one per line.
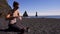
(43,7)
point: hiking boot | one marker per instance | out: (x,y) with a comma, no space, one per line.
(27,29)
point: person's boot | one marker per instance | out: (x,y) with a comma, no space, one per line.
(27,29)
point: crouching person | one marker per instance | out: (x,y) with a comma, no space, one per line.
(12,19)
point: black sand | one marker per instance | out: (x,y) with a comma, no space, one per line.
(37,25)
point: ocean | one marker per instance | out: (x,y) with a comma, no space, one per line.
(58,17)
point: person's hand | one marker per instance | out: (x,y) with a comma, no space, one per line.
(20,18)
(8,16)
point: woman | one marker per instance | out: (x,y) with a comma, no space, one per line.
(12,19)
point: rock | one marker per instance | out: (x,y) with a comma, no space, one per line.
(4,8)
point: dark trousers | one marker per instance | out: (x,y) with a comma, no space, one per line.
(15,28)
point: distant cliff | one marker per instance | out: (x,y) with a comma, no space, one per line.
(4,8)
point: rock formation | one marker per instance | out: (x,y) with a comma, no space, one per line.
(4,8)
(36,14)
(25,14)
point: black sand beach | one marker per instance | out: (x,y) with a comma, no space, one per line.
(37,25)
